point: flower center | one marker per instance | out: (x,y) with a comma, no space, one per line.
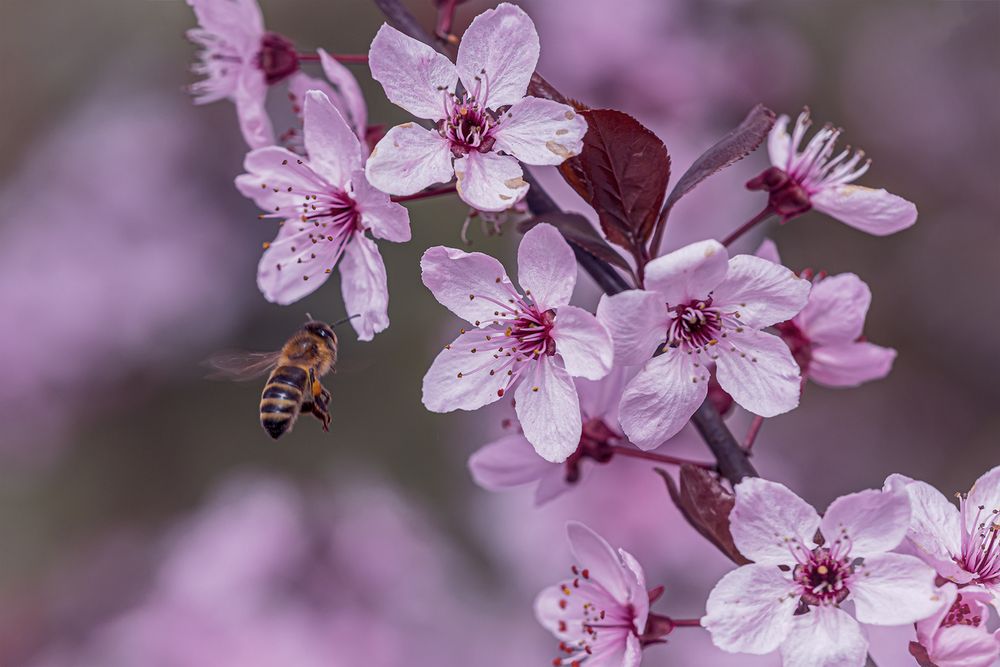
(695,325)
(595,443)
(961,613)
(981,541)
(520,334)
(277,57)
(587,620)
(468,122)
(823,576)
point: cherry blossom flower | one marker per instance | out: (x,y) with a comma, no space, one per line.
(240,60)
(956,635)
(600,614)
(701,308)
(535,342)
(511,461)
(826,337)
(963,543)
(805,567)
(813,178)
(326,205)
(481,135)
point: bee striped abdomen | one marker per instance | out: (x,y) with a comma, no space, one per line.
(282,399)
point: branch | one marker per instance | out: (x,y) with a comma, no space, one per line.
(733,462)
(400,18)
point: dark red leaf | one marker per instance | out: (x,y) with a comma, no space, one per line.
(623,173)
(706,505)
(577,230)
(733,147)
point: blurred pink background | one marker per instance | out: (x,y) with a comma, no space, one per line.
(147,519)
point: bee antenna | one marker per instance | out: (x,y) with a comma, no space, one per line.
(344,320)
(309,317)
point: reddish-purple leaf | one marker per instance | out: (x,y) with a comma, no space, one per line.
(622,173)
(706,505)
(577,230)
(735,146)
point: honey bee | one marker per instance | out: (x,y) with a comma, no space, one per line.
(293,386)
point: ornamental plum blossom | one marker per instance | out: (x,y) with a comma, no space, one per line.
(701,308)
(826,337)
(963,543)
(600,613)
(533,343)
(240,60)
(956,635)
(511,461)
(481,134)
(326,205)
(805,567)
(814,178)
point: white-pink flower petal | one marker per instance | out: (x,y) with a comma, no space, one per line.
(877,212)
(758,371)
(364,287)
(508,462)
(850,364)
(385,218)
(762,292)
(637,321)
(349,99)
(331,144)
(413,75)
(893,589)
(688,273)
(249,96)
(472,285)
(836,310)
(489,181)
(750,610)
(824,637)
(546,266)
(606,568)
(498,52)
(870,521)
(453,383)
(583,343)
(549,410)
(768,520)
(965,646)
(660,400)
(408,159)
(541,132)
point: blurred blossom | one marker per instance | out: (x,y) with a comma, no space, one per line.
(267,576)
(125,262)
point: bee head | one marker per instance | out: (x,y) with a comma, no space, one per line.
(324,331)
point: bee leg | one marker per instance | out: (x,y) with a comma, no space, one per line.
(321,410)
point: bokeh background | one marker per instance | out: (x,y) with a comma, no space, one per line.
(146,520)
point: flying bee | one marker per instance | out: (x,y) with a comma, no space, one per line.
(293,386)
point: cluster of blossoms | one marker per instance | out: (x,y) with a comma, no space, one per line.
(674,331)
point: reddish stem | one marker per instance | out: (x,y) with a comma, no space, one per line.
(752,432)
(622,450)
(446,16)
(747,226)
(426,194)
(339,57)
(686,622)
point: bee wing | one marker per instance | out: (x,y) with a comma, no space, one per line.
(240,366)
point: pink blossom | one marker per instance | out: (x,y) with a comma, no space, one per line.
(805,567)
(511,461)
(535,342)
(963,543)
(826,337)
(481,136)
(240,60)
(814,178)
(701,308)
(956,635)
(326,205)
(599,614)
